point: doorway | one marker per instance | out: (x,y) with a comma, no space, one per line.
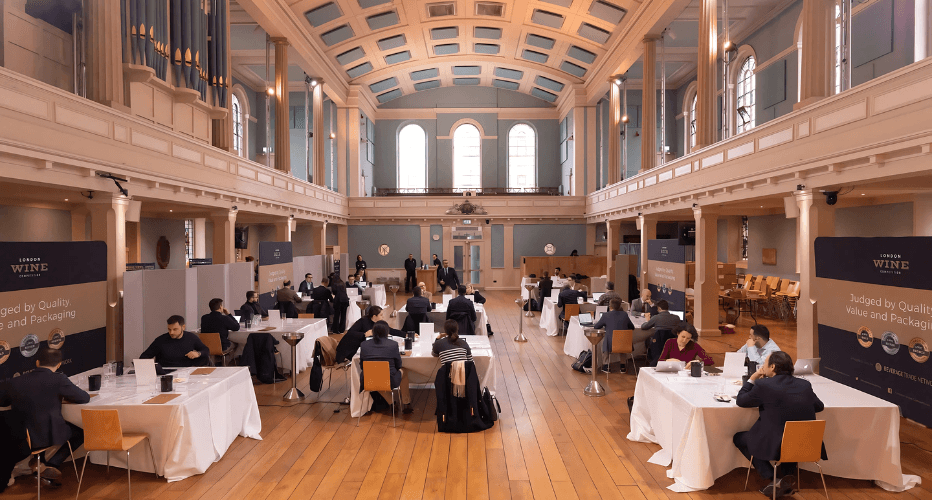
(468,253)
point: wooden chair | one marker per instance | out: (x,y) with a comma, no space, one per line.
(212,341)
(802,442)
(40,452)
(623,343)
(378,377)
(103,432)
(569,311)
(305,316)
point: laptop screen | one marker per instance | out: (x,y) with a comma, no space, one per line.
(585,318)
(678,314)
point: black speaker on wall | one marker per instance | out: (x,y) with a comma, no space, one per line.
(687,233)
(241,238)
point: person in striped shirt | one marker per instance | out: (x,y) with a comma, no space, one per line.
(450,347)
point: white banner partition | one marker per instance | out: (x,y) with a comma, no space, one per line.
(211,284)
(149,298)
(240,279)
(191,305)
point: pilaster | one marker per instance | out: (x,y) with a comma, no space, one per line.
(282,129)
(707,73)
(649,106)
(104,53)
(706,286)
(647,224)
(817,51)
(224,237)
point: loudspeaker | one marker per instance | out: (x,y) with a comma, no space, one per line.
(790,207)
(132,211)
(686,233)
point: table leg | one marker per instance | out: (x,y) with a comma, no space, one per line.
(594,389)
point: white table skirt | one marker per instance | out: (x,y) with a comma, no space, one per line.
(422,367)
(376,294)
(353,312)
(550,317)
(439,316)
(187,434)
(527,281)
(695,431)
(311,328)
(577,342)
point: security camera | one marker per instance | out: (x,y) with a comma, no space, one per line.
(831,197)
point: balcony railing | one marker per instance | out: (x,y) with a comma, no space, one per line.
(490,191)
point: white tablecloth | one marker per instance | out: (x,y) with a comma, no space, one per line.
(422,367)
(439,316)
(527,281)
(311,328)
(187,434)
(353,312)
(577,342)
(376,295)
(695,431)
(550,317)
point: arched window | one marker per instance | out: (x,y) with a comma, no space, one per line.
(522,157)
(237,126)
(692,123)
(467,157)
(412,157)
(745,100)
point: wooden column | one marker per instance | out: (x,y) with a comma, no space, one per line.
(816,218)
(707,74)
(648,226)
(282,130)
(706,286)
(284,228)
(649,106)
(320,238)
(817,52)
(104,53)
(317,130)
(615,172)
(108,224)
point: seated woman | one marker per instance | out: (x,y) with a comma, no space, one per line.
(684,347)
(381,348)
(477,297)
(424,292)
(450,347)
(357,333)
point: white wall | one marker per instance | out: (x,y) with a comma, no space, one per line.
(895,219)
(34,224)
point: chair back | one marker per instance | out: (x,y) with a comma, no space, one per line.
(305,316)
(802,441)
(784,285)
(376,376)
(570,310)
(793,289)
(212,341)
(622,341)
(102,430)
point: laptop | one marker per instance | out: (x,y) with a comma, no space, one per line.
(585,319)
(237,318)
(670,365)
(678,314)
(362,284)
(596,296)
(806,366)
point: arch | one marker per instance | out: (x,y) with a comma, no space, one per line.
(522,156)
(689,116)
(462,121)
(242,135)
(467,156)
(411,156)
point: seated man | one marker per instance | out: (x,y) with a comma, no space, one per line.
(381,348)
(568,296)
(643,304)
(351,283)
(322,307)
(609,294)
(286,294)
(614,319)
(418,304)
(663,319)
(37,396)
(177,347)
(219,320)
(781,398)
(307,285)
(251,309)
(463,311)
(544,286)
(759,345)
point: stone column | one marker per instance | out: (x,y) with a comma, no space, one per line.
(108,224)
(816,218)
(706,286)
(79,223)
(104,53)
(707,74)
(284,228)
(649,106)
(320,237)
(648,227)
(224,237)
(282,129)
(317,136)
(615,172)
(200,238)
(817,52)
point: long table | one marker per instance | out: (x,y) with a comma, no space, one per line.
(422,367)
(187,434)
(312,329)
(577,342)
(678,412)
(439,315)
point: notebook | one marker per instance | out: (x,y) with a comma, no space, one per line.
(734,364)
(585,319)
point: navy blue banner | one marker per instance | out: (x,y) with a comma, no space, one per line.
(275,268)
(899,262)
(666,251)
(30,265)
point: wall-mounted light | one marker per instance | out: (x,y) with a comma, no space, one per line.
(624,118)
(332,135)
(271,91)
(313,83)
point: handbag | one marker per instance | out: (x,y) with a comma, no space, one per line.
(583,361)
(491,403)
(316,378)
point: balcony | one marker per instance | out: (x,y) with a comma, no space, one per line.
(490,191)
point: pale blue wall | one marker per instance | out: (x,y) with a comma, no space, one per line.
(436,247)
(530,239)
(401,240)
(466,97)
(777,83)
(498,245)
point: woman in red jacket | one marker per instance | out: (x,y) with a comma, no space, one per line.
(685,348)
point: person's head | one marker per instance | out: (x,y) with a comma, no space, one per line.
(308,277)
(422,286)
(445,263)
(760,335)
(351,279)
(410,255)
(610,285)
(252,296)
(663,305)
(435,256)
(556,271)
(375,313)
(417,291)
(358,257)
(215,304)
(461,290)
(615,304)
(176,326)
(546,274)
(469,289)
(325,281)
(286,284)
(49,358)
(452,329)
(380,331)
(778,363)
(574,253)
(645,294)
(683,336)
(567,285)
(250,258)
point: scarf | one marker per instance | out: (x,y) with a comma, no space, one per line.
(458,378)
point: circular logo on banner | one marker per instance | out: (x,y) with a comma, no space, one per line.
(4,351)
(56,338)
(865,336)
(919,350)
(890,343)
(29,345)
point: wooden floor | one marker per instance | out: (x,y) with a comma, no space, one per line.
(551,442)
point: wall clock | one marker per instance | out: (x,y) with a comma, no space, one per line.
(383,250)
(549,249)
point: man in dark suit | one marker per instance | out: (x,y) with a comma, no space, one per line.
(251,308)
(463,311)
(447,278)
(663,319)
(410,273)
(614,319)
(418,308)
(322,307)
(544,286)
(219,320)
(340,304)
(37,396)
(568,296)
(781,398)
(307,285)
(436,260)
(351,283)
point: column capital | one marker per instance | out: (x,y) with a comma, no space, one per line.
(229,214)
(651,38)
(279,40)
(700,211)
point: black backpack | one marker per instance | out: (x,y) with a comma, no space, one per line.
(492,403)
(583,361)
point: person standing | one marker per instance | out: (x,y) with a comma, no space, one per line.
(361,268)
(322,307)
(410,273)
(340,304)
(436,261)
(447,278)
